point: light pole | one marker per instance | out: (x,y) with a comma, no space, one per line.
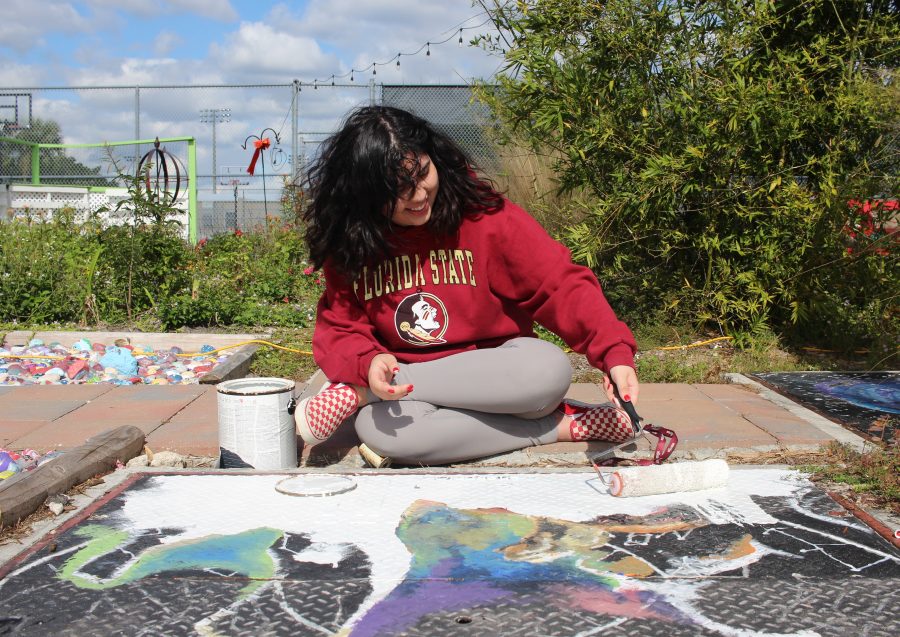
(211,116)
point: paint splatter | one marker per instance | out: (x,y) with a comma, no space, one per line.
(245,554)
(462,558)
(881,396)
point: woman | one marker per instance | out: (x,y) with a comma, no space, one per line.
(433,285)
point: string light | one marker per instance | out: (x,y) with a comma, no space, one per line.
(426,47)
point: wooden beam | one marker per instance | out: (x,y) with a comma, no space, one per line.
(23,496)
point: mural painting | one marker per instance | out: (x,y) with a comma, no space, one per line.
(866,401)
(482,554)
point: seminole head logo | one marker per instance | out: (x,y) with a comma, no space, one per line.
(421,319)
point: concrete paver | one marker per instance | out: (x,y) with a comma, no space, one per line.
(145,407)
(710,420)
(191,431)
(24,410)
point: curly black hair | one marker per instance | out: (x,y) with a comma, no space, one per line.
(361,172)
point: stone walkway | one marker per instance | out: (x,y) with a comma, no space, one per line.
(710,420)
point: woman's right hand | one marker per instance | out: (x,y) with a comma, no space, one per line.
(381,372)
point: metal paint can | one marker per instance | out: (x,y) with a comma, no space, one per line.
(256,423)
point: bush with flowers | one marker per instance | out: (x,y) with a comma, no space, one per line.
(258,277)
(872,226)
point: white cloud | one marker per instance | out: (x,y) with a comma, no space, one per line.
(259,50)
(165,42)
(15,74)
(26,24)
(213,9)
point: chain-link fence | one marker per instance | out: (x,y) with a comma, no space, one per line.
(228,124)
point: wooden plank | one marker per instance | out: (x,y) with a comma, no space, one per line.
(22,497)
(235,366)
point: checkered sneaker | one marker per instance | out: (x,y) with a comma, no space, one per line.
(606,423)
(319,416)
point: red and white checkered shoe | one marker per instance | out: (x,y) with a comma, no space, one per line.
(318,416)
(606,423)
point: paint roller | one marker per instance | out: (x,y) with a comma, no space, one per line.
(677,477)
(652,477)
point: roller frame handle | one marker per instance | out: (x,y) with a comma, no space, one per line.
(630,410)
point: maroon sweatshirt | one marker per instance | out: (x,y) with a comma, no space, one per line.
(438,296)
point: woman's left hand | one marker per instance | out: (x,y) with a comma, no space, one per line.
(625,380)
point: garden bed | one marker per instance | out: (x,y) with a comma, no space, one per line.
(60,357)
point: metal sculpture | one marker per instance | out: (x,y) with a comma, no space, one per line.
(260,145)
(162,164)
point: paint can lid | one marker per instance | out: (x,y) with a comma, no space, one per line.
(255,386)
(315,485)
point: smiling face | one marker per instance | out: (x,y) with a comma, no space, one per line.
(413,207)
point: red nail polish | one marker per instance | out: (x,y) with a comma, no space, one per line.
(395,370)
(410,389)
(391,390)
(626,397)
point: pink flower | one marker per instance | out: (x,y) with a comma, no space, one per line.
(238,233)
(309,270)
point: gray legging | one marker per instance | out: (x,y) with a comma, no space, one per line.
(470,405)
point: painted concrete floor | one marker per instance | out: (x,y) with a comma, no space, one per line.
(433,553)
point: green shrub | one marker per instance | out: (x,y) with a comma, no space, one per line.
(718,143)
(46,269)
(138,269)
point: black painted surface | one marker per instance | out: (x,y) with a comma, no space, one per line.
(868,402)
(823,572)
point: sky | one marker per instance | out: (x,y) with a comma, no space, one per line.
(91,43)
(127,42)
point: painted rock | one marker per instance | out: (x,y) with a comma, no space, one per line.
(78,369)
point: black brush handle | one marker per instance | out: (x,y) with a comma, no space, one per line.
(629,409)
